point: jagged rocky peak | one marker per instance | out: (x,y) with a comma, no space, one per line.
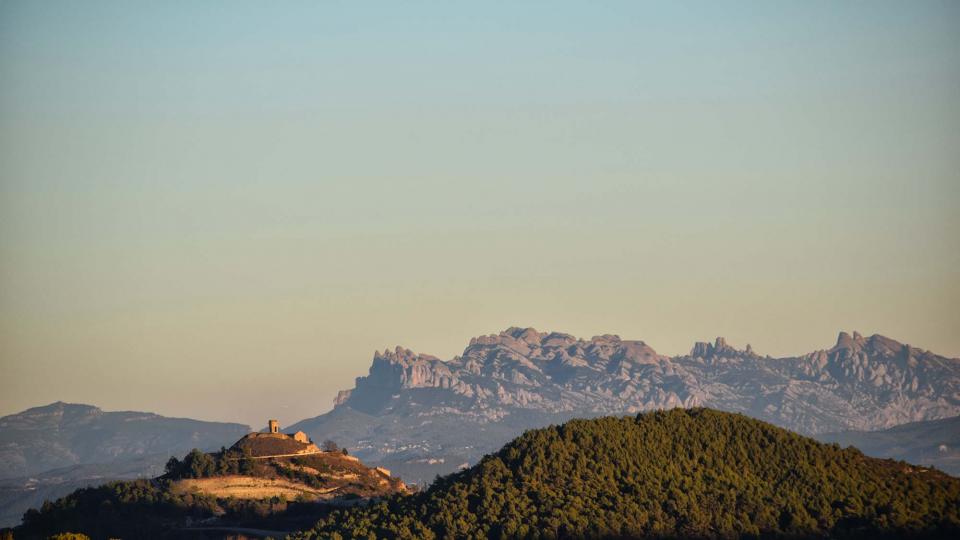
(600,349)
(885,346)
(342,397)
(403,368)
(602,346)
(522,340)
(558,339)
(875,345)
(719,348)
(520,376)
(527,335)
(401,355)
(846,341)
(638,351)
(701,349)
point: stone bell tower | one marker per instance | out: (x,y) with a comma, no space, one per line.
(274,426)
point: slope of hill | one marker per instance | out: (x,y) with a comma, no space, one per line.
(226,489)
(420,416)
(933,442)
(319,476)
(63,434)
(694,473)
(17,495)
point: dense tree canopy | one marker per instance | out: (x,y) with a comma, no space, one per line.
(199,464)
(679,473)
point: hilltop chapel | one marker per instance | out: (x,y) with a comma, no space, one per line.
(275,443)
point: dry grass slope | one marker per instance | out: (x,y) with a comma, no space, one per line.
(250,487)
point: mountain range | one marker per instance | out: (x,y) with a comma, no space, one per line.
(63,434)
(420,415)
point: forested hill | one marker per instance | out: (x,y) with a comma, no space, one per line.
(679,473)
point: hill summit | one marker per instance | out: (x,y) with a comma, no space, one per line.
(273,443)
(264,478)
(695,473)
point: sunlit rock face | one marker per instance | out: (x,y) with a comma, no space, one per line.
(523,378)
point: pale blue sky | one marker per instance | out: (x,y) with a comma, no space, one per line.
(248,191)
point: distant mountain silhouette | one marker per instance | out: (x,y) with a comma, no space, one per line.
(63,434)
(419,415)
(930,442)
(47,452)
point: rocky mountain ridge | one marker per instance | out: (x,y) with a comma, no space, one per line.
(412,407)
(861,383)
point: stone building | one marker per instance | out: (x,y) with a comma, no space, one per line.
(275,442)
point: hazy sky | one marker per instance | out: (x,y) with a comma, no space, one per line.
(220,209)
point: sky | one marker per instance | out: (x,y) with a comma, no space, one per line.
(219,210)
